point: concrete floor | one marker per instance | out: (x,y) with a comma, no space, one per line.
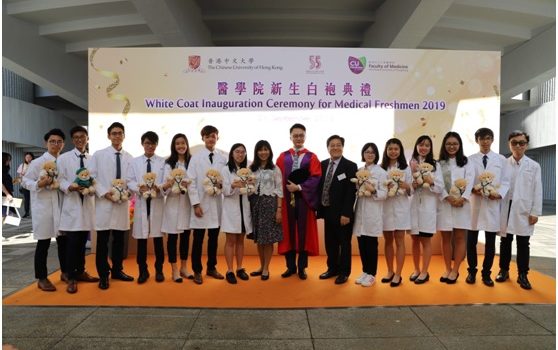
(435,327)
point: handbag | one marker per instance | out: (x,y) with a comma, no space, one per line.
(15,203)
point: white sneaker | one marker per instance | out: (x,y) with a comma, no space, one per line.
(368,281)
(361,278)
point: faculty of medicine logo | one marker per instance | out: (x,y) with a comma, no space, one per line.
(356,65)
(194,62)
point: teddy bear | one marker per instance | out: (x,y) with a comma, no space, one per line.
(213,182)
(458,188)
(424,170)
(49,170)
(393,183)
(85,181)
(149,181)
(248,179)
(365,184)
(485,185)
(119,191)
(180,182)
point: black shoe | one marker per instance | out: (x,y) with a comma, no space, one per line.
(450,281)
(413,277)
(159,276)
(396,284)
(104,283)
(341,279)
(288,273)
(215,274)
(423,280)
(328,274)
(231,277)
(388,279)
(444,279)
(120,275)
(487,281)
(471,278)
(264,277)
(198,278)
(502,276)
(242,274)
(256,273)
(524,281)
(143,277)
(302,274)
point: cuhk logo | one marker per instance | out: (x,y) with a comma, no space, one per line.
(356,65)
(194,62)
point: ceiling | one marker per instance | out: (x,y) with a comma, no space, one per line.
(72,26)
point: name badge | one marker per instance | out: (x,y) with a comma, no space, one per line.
(341,177)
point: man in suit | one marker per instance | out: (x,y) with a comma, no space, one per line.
(336,208)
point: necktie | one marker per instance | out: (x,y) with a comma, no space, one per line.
(295,159)
(148,200)
(118,166)
(484,160)
(327,184)
(81,163)
(211,157)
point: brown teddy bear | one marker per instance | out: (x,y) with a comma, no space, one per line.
(365,184)
(179,181)
(213,182)
(248,179)
(393,183)
(49,170)
(149,182)
(119,192)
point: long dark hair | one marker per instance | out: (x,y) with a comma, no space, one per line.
(401,161)
(231,163)
(25,155)
(374,149)
(257,161)
(460,157)
(430,156)
(173,158)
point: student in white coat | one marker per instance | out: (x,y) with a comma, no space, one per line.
(111,216)
(148,213)
(521,208)
(206,208)
(424,205)
(454,213)
(236,220)
(78,210)
(368,224)
(485,211)
(176,215)
(46,204)
(396,217)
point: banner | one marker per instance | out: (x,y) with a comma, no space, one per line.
(253,93)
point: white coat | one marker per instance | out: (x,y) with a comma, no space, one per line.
(526,198)
(211,205)
(230,218)
(45,204)
(109,215)
(146,227)
(424,205)
(369,210)
(485,213)
(77,215)
(176,214)
(397,210)
(449,217)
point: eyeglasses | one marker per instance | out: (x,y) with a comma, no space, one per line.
(518,143)
(116,133)
(56,142)
(369,152)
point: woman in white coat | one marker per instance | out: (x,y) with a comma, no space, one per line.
(236,218)
(396,211)
(46,204)
(454,212)
(521,208)
(176,215)
(368,224)
(423,208)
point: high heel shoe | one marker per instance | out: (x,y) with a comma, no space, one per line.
(450,281)
(423,280)
(395,284)
(388,279)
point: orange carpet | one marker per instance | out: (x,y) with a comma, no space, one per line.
(278,292)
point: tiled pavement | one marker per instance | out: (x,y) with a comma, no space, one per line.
(434,327)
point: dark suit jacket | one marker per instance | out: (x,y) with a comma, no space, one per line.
(341,192)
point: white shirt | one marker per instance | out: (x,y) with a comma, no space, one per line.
(269,182)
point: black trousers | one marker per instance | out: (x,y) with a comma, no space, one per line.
(522,253)
(297,223)
(489,251)
(75,252)
(141,257)
(183,245)
(337,243)
(41,255)
(101,257)
(197,245)
(27,200)
(368,248)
